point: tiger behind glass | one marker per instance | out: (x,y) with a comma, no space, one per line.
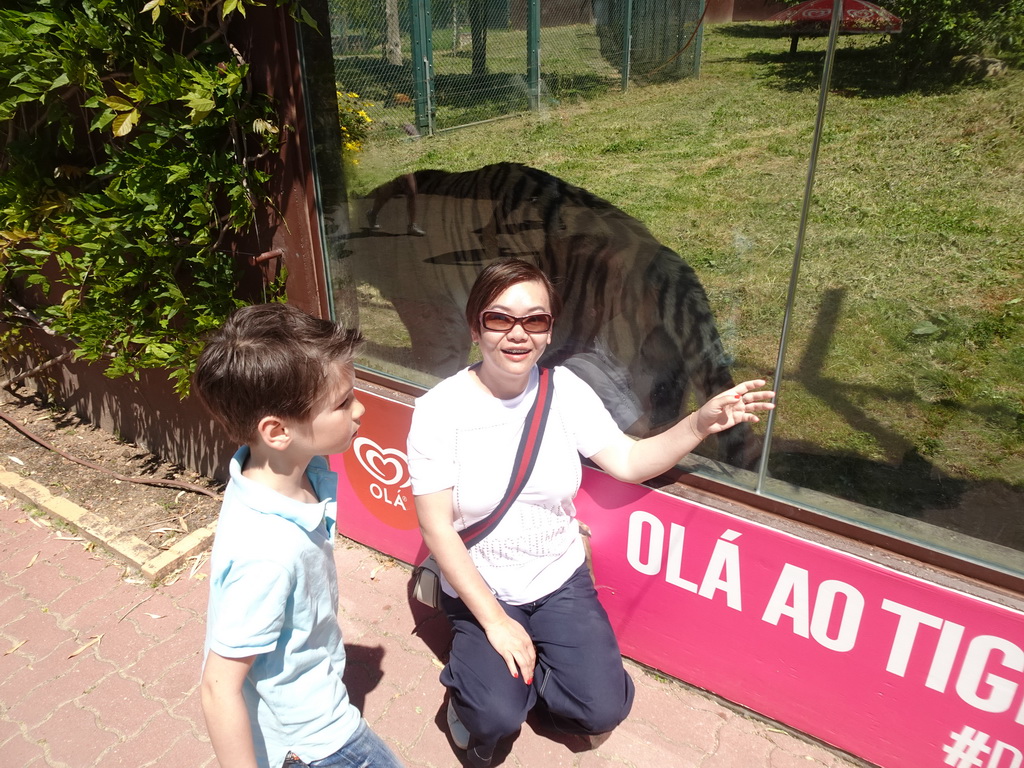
(636,324)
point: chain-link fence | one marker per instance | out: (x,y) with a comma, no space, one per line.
(426,67)
(663,37)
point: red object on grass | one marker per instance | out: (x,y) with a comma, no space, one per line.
(859,17)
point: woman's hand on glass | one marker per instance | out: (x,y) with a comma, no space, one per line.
(734,406)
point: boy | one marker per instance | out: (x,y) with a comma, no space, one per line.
(281,382)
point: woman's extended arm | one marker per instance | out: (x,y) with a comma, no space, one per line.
(506,636)
(634,461)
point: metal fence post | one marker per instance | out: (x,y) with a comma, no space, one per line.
(627,42)
(423,65)
(533,53)
(698,38)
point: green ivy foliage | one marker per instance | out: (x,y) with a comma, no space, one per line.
(132,146)
(935,31)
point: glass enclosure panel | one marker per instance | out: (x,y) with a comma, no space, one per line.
(664,215)
(901,403)
(669,213)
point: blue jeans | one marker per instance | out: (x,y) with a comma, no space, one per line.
(364,750)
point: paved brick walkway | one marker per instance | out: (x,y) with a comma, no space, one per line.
(98,668)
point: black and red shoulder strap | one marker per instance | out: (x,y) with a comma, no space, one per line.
(526,457)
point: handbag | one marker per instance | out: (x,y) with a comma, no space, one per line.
(426,576)
(426,582)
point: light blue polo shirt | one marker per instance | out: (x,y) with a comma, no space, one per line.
(274,594)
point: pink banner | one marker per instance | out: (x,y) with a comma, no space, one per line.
(374,495)
(899,671)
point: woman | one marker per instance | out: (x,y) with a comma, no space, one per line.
(528,628)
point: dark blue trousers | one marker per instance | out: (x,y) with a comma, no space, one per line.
(579,682)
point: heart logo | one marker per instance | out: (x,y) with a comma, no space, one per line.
(386,465)
(378,477)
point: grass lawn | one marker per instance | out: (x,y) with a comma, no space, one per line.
(907,343)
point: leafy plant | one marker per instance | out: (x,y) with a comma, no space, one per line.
(354,120)
(935,31)
(133,151)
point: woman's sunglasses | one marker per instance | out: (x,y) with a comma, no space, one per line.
(499,321)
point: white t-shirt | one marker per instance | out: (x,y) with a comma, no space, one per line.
(465,439)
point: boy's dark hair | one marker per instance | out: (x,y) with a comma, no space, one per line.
(269,360)
(496,278)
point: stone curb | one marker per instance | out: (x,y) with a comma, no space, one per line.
(154,563)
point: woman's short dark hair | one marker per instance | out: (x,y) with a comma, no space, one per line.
(497,277)
(269,360)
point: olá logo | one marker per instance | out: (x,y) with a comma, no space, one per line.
(380,478)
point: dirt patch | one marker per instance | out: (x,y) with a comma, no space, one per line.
(159,516)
